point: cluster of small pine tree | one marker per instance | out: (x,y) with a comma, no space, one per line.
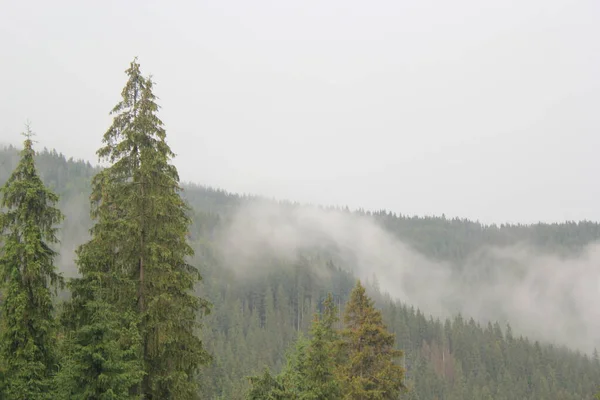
(356,362)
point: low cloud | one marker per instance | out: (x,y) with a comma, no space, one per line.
(543,296)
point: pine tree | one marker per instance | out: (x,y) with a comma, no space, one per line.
(317,371)
(101,357)
(141,227)
(28,278)
(310,370)
(267,387)
(368,370)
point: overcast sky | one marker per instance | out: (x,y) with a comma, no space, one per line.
(482,109)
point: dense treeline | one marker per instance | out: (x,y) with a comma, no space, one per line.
(439,237)
(254,320)
(115,332)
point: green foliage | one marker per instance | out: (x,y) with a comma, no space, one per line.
(317,371)
(28,277)
(135,263)
(267,387)
(308,375)
(368,370)
(102,346)
(256,316)
(316,367)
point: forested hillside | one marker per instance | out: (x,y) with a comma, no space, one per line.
(207,294)
(256,317)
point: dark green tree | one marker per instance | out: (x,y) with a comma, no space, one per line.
(310,370)
(316,371)
(141,225)
(368,370)
(28,278)
(102,345)
(267,387)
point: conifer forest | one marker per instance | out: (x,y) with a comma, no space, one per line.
(118,281)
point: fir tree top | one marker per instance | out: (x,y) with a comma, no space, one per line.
(29,216)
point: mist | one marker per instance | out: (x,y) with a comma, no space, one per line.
(74,231)
(545,297)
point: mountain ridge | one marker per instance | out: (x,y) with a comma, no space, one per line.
(257,316)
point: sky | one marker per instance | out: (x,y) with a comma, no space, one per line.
(487,110)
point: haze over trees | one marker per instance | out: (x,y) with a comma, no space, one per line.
(137,320)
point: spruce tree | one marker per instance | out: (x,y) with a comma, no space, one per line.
(140,229)
(292,379)
(310,370)
(28,279)
(368,371)
(102,346)
(317,379)
(267,387)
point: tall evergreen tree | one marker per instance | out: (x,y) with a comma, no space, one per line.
(28,278)
(140,237)
(368,371)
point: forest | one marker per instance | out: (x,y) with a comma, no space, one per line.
(117,283)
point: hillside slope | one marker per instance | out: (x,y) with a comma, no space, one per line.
(259,309)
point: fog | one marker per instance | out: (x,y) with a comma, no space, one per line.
(543,296)
(480,109)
